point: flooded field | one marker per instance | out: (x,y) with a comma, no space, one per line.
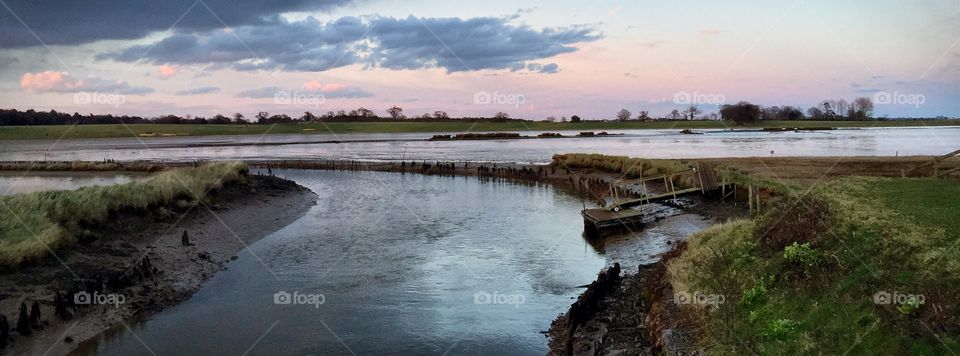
(413,146)
(410,264)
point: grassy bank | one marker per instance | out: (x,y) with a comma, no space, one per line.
(627,167)
(34,224)
(862,266)
(103,131)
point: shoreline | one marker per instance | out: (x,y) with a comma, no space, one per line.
(53,132)
(165,272)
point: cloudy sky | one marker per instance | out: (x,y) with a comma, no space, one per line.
(531,59)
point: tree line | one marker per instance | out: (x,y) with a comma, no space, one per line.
(745,112)
(13,117)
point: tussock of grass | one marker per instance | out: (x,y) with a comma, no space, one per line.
(36,223)
(628,167)
(882,235)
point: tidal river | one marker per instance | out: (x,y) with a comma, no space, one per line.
(414,146)
(396,264)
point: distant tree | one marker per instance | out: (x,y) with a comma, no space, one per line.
(675,115)
(395,112)
(440,115)
(262,117)
(741,113)
(862,108)
(501,115)
(841,107)
(551,119)
(308,117)
(815,113)
(220,120)
(692,112)
(574,118)
(624,115)
(790,113)
(643,115)
(365,113)
(238,118)
(770,113)
(564,119)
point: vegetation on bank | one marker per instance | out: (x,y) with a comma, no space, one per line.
(861,265)
(54,132)
(99,166)
(36,224)
(627,167)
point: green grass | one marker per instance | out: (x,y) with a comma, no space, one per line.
(36,223)
(879,235)
(102,131)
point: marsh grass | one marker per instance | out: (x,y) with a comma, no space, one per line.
(884,235)
(628,167)
(36,223)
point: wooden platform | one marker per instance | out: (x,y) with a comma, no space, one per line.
(619,216)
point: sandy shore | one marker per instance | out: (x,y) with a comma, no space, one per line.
(237,216)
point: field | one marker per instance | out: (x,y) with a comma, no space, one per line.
(103,131)
(861,266)
(37,223)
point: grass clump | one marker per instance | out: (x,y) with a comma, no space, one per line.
(861,265)
(37,223)
(628,167)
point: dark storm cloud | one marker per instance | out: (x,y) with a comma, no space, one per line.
(408,43)
(70,22)
(197,91)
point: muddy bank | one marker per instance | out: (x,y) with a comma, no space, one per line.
(141,264)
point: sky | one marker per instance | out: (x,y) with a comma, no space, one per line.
(530,59)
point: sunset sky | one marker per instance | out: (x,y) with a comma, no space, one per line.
(531,59)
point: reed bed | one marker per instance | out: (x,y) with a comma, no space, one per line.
(35,224)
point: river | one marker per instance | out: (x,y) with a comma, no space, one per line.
(405,264)
(414,146)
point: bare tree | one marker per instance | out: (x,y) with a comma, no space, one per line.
(551,119)
(862,108)
(238,118)
(692,112)
(623,115)
(675,115)
(815,113)
(440,115)
(501,115)
(395,112)
(643,115)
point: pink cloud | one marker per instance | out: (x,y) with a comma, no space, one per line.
(314,85)
(62,82)
(167,71)
(49,81)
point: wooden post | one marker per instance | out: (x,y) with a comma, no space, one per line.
(750,196)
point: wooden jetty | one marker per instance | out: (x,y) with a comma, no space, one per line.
(621,215)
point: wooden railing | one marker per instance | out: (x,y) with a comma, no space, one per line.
(936,166)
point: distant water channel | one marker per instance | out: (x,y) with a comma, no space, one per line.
(413,146)
(406,264)
(15,182)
